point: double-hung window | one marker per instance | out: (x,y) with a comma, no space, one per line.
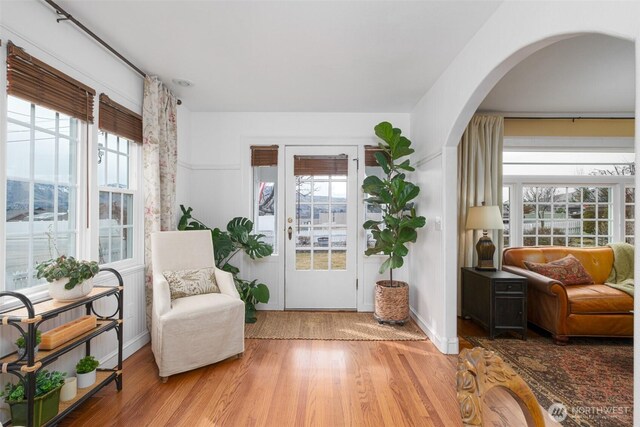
(41,189)
(120,131)
(116,198)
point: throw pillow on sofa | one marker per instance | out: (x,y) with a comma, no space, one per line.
(186,283)
(567,270)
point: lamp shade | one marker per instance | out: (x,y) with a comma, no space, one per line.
(484,218)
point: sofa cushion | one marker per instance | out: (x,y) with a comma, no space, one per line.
(186,283)
(567,270)
(592,299)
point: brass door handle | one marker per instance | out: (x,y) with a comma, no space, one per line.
(290,232)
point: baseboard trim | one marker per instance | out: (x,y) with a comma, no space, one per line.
(444,344)
(130,347)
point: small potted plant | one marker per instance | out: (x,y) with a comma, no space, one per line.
(69,279)
(393,195)
(22,345)
(86,370)
(47,398)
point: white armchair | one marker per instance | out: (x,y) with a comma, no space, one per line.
(199,330)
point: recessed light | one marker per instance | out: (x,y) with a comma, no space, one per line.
(183,82)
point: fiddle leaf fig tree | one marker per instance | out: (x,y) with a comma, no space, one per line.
(226,244)
(393,194)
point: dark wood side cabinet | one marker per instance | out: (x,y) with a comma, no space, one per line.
(495,299)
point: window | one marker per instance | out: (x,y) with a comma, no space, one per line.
(42,188)
(629,214)
(566,216)
(264,160)
(568,163)
(371,168)
(506,216)
(568,198)
(116,198)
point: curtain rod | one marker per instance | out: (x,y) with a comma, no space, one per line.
(69,17)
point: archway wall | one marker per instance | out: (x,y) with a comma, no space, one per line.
(513,32)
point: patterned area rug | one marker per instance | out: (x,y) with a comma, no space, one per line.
(593,378)
(324,325)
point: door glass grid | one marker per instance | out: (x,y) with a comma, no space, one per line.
(321,222)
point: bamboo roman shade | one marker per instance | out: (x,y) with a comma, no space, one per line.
(320,165)
(118,120)
(370,155)
(34,81)
(264,155)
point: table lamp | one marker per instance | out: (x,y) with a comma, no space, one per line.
(484,218)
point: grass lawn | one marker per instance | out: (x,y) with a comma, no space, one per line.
(321,260)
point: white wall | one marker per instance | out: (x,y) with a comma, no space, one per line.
(32,25)
(513,32)
(220,175)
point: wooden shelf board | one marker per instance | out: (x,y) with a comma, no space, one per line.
(47,306)
(42,354)
(101,378)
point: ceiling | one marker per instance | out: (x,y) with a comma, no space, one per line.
(322,56)
(585,74)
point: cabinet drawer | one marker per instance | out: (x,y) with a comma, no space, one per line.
(509,286)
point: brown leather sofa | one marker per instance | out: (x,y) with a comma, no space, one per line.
(594,310)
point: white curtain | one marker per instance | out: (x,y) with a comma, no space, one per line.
(479,180)
(160,163)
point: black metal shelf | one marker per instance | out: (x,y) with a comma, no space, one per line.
(33,315)
(48,356)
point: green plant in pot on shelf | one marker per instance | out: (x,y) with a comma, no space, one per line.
(46,399)
(69,278)
(22,344)
(86,371)
(393,195)
(227,244)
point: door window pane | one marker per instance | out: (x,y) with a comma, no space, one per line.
(321,220)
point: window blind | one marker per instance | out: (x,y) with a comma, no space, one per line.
(264,155)
(370,155)
(320,165)
(30,79)
(118,120)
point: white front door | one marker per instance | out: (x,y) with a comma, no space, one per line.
(321,227)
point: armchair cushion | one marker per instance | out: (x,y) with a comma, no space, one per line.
(186,283)
(567,270)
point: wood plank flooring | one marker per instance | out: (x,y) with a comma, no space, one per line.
(288,383)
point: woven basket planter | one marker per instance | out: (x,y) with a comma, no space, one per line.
(392,302)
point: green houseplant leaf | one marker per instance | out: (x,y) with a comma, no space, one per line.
(237,238)
(393,195)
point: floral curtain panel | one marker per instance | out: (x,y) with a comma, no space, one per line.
(160,163)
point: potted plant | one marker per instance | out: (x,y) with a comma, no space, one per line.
(46,401)
(86,370)
(226,244)
(22,345)
(393,194)
(69,279)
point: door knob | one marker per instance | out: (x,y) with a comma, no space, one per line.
(290,232)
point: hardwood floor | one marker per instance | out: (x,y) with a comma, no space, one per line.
(288,383)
